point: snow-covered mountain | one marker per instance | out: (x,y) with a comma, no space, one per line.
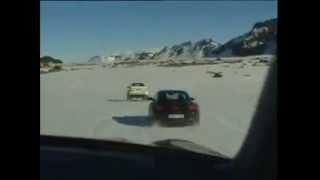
(262,39)
(204,48)
(187,50)
(143,55)
(96,60)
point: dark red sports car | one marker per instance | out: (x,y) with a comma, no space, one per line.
(173,107)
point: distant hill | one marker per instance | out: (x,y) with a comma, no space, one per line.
(48,59)
(95,60)
(188,50)
(261,39)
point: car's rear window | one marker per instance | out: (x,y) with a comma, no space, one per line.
(137,84)
(173,96)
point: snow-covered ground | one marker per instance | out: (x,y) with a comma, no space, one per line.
(91,103)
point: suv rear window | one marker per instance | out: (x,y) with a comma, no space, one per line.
(137,84)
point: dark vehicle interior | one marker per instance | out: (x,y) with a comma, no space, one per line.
(137,84)
(173,96)
(76,158)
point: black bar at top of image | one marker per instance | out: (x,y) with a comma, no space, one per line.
(168,0)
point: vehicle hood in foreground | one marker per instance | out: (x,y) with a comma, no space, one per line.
(188,146)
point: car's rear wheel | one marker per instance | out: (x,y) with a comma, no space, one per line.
(151,117)
(196,120)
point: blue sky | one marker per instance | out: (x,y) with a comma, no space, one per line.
(75,31)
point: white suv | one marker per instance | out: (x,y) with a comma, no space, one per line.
(137,90)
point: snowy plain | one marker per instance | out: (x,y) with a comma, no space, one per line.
(91,103)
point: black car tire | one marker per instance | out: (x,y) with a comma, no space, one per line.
(196,119)
(153,120)
(151,116)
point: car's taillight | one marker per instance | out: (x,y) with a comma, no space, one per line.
(193,107)
(158,108)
